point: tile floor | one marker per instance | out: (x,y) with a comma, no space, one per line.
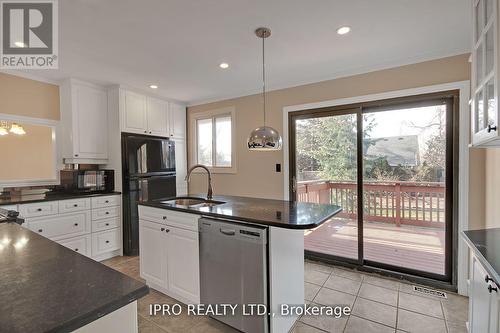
(378,305)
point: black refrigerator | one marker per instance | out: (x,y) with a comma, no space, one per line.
(148,165)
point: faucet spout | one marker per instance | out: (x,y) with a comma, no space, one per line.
(188,178)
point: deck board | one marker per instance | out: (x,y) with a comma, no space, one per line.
(417,248)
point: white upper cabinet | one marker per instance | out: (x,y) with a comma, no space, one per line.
(157,114)
(84,117)
(485,78)
(133,112)
(177,121)
(151,116)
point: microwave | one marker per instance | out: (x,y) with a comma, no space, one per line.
(88,180)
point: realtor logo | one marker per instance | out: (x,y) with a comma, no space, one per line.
(29,33)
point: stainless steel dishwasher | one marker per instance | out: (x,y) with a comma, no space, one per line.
(233,270)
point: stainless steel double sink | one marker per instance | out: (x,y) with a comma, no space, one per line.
(192,202)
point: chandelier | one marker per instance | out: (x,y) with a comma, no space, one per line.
(14,128)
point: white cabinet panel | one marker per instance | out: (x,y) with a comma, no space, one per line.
(153,263)
(74,205)
(38,209)
(61,226)
(157,114)
(105,241)
(183,263)
(106,201)
(101,225)
(90,123)
(177,121)
(480,299)
(134,113)
(181,166)
(105,213)
(81,244)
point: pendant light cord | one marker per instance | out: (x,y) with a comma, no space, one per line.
(264,77)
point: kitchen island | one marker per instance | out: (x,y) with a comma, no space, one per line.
(174,248)
(46,287)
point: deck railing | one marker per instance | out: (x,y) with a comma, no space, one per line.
(412,203)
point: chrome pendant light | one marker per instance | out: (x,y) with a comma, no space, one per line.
(264,138)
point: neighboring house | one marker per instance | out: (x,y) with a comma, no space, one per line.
(399,150)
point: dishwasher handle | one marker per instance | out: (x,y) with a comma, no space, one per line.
(229,232)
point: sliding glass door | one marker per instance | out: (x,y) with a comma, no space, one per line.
(399,154)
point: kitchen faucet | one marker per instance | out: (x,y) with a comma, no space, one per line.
(188,178)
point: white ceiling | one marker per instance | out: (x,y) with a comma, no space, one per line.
(179,44)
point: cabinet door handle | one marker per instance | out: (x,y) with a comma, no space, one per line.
(76,250)
(167,230)
(76,224)
(107,224)
(75,205)
(107,201)
(164,217)
(487,279)
(149,132)
(490,289)
(162,229)
(39,210)
(76,155)
(491,128)
(107,241)
(40,230)
(107,213)
(145,131)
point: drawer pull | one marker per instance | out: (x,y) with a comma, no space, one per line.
(490,289)
(107,224)
(491,128)
(76,224)
(107,213)
(487,279)
(107,241)
(40,230)
(164,217)
(76,250)
(39,209)
(168,230)
(107,201)
(162,229)
(75,205)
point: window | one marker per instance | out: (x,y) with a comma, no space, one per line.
(214,140)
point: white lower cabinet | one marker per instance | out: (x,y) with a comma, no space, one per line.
(90,226)
(484,310)
(169,254)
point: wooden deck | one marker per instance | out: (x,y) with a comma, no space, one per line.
(418,248)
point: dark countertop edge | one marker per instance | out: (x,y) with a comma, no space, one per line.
(481,258)
(243,219)
(104,310)
(57,197)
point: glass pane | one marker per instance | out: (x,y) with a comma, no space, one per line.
(489,9)
(490,102)
(326,166)
(490,51)
(223,141)
(404,162)
(204,136)
(479,18)
(480,119)
(479,64)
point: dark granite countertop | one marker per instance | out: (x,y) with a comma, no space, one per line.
(277,213)
(486,246)
(49,196)
(45,287)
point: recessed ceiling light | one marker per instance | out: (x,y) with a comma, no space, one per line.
(343,30)
(224,65)
(19,44)
(153,86)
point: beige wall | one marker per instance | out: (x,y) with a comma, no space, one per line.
(30,155)
(29,98)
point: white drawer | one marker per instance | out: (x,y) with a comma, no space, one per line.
(100,225)
(10,207)
(106,201)
(74,205)
(105,213)
(38,209)
(106,241)
(80,244)
(169,217)
(61,226)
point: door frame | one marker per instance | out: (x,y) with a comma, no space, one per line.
(460,254)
